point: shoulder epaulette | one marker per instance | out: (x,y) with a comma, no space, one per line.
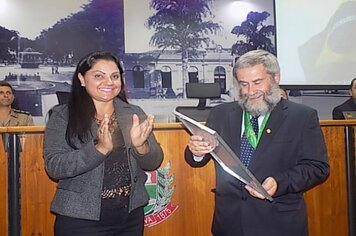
(22,112)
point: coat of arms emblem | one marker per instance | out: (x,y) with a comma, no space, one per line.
(158,186)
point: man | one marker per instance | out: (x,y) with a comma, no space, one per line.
(289,157)
(349,105)
(8,115)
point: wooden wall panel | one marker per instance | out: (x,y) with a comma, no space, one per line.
(36,188)
(327,203)
(192,191)
(3,190)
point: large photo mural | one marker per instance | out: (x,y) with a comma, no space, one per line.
(162,44)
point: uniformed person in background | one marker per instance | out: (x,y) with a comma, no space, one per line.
(8,115)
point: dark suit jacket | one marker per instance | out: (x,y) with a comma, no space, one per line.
(349,105)
(293,151)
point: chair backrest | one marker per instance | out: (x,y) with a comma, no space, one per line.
(202,91)
(63,97)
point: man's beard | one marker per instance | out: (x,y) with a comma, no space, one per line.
(270,100)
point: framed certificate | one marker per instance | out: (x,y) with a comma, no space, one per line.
(223,154)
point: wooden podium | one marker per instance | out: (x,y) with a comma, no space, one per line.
(191,198)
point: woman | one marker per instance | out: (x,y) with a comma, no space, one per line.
(98,147)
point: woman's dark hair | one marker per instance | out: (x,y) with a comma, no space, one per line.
(81,106)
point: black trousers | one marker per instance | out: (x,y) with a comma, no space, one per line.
(114,221)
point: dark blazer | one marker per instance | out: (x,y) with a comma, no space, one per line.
(291,149)
(80,172)
(348,105)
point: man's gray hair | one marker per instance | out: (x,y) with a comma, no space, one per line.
(256,57)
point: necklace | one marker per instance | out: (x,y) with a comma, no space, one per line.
(113,122)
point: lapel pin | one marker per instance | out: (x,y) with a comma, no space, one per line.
(269,131)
